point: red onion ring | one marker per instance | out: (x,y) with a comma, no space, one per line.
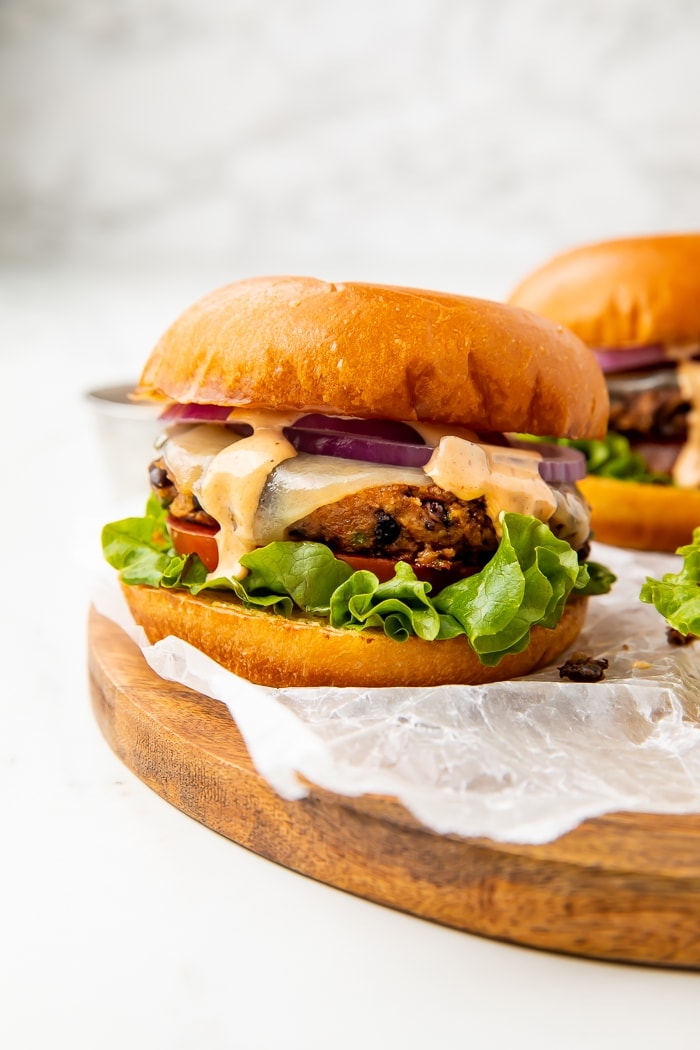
(630,358)
(354,446)
(387,441)
(384,429)
(176,413)
(559,463)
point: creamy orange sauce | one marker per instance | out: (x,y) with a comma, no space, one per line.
(230,491)
(682,352)
(263,417)
(508,479)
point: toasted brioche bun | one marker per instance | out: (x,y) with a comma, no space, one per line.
(623,292)
(295,343)
(644,517)
(272,650)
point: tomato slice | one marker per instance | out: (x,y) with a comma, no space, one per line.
(384,569)
(189,538)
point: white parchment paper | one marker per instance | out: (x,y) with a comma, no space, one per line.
(521,761)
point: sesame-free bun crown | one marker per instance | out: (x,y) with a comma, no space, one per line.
(296,343)
(621,293)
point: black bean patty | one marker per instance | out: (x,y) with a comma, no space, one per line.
(424,525)
(659,411)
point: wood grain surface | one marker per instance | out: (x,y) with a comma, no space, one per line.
(623,887)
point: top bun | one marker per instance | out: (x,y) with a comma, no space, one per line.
(295,343)
(621,293)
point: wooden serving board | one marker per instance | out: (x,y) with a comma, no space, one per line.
(622,887)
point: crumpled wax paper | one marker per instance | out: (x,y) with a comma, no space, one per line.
(521,761)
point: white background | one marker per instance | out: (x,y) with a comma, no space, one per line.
(151,150)
(448,143)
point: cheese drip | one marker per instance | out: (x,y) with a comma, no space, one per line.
(571,521)
(230,491)
(227,473)
(508,479)
(188,451)
(302,485)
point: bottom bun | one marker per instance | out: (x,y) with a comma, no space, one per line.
(271,650)
(644,517)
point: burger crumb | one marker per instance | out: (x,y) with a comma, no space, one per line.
(581,667)
(674,637)
(641,665)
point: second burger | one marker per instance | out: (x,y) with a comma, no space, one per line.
(636,303)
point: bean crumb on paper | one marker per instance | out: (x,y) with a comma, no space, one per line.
(675,637)
(580,667)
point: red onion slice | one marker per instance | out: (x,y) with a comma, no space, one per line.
(176,413)
(560,464)
(631,358)
(384,429)
(387,441)
(354,446)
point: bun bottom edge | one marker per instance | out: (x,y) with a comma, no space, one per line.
(641,516)
(270,650)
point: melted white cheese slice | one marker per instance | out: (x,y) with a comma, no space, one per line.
(571,521)
(302,485)
(188,451)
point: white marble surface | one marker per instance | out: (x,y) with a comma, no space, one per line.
(152,149)
(442,143)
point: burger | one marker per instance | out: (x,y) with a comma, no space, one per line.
(636,303)
(339,497)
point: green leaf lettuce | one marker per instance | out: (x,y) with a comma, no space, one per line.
(612,457)
(677,595)
(527,582)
